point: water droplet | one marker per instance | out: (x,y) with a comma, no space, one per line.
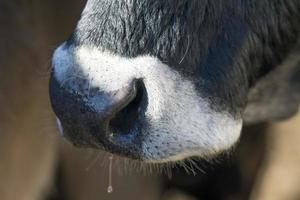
(110,187)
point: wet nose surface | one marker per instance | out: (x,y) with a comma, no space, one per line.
(98,119)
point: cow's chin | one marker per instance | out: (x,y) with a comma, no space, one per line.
(162,143)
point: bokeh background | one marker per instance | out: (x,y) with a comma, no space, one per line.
(36,164)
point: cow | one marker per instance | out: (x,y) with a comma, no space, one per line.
(162,81)
(34,164)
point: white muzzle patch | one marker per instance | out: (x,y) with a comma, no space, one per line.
(181,123)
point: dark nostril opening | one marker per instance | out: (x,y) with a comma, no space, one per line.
(125,122)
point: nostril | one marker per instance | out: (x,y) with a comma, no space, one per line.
(125,122)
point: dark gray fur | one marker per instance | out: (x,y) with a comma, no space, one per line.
(225,47)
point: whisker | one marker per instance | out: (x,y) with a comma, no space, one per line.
(186,51)
(196,166)
(92,164)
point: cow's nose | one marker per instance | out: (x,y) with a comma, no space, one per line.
(94,118)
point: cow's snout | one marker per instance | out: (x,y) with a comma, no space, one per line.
(93,118)
(136,107)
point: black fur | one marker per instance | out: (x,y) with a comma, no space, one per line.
(225,47)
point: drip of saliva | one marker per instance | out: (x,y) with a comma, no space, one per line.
(110,187)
